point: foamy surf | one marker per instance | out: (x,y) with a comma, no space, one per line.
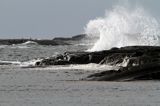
(124,27)
(10,62)
(32,64)
(26,64)
(19,46)
(30,43)
(25,45)
(87,67)
(29,64)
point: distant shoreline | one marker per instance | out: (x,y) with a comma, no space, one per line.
(55,41)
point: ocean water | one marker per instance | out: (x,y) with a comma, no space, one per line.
(21,84)
(61,85)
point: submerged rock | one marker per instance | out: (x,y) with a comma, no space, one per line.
(135,62)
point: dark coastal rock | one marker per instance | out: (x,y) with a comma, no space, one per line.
(76,37)
(40,42)
(53,42)
(135,62)
(148,71)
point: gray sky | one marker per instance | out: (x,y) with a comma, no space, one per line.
(51,18)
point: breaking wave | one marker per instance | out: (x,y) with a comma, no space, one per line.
(10,62)
(32,64)
(30,43)
(25,45)
(124,27)
(26,64)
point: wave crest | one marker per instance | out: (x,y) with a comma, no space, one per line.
(30,43)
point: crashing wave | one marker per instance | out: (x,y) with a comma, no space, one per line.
(124,27)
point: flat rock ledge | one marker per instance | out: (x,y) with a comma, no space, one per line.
(135,63)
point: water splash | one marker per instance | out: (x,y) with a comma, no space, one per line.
(124,27)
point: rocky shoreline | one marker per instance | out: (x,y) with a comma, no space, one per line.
(135,62)
(53,42)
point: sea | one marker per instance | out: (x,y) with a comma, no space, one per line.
(21,84)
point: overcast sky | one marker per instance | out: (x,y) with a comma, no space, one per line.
(51,18)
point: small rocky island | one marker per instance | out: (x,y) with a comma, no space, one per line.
(135,62)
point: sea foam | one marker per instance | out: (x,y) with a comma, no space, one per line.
(124,27)
(30,43)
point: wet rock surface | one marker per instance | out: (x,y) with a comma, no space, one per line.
(135,62)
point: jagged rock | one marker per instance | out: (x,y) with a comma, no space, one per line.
(145,71)
(135,62)
(134,54)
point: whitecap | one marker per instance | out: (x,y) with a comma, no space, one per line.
(10,62)
(29,43)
